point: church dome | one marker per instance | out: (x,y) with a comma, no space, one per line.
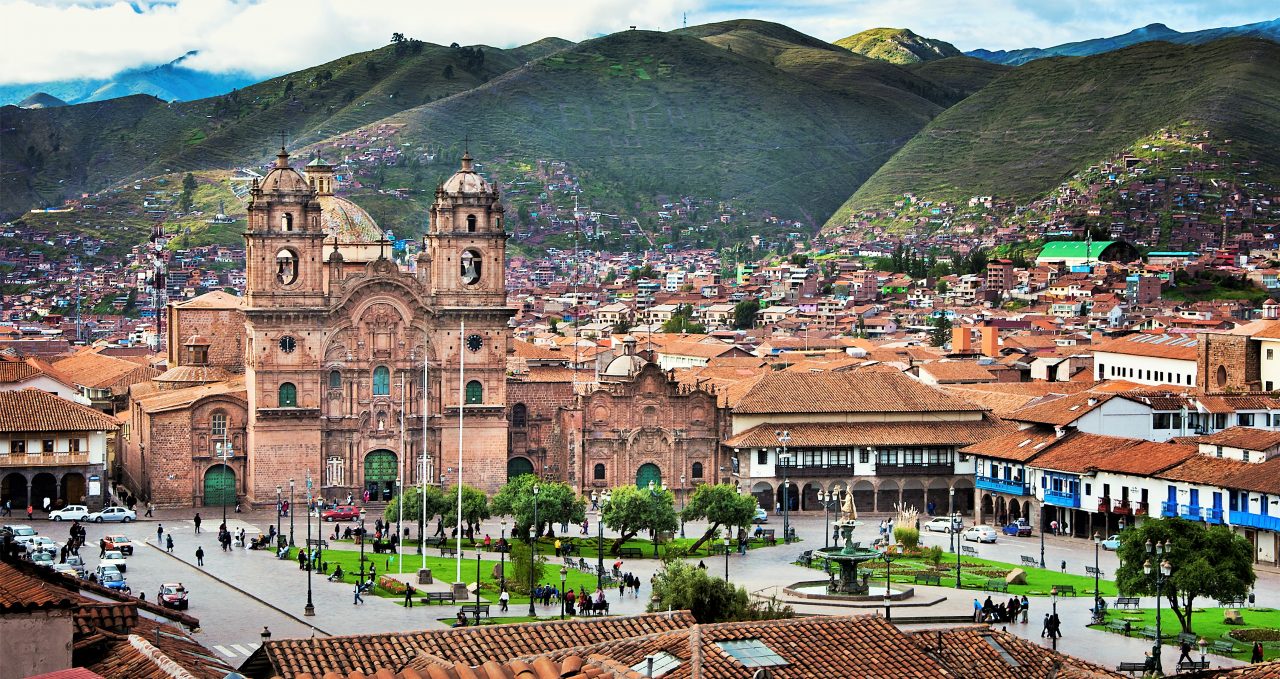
(183,376)
(346,221)
(284,178)
(625,365)
(466,180)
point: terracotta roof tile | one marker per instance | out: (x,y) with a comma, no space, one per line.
(958,371)
(1017,446)
(980,652)
(818,434)
(1061,410)
(1247,438)
(1260,477)
(36,410)
(851,391)
(1203,469)
(97,371)
(1175,346)
(21,592)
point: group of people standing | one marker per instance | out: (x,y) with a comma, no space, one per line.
(989,611)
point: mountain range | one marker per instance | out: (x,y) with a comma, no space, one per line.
(745,111)
(1269,30)
(173,81)
(897,46)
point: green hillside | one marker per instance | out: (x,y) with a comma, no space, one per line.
(668,113)
(962,75)
(898,46)
(1035,125)
(60,152)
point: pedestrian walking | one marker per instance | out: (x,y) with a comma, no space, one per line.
(977,611)
(1024,605)
(150,508)
(408,595)
(168,543)
(197,522)
(358,599)
(199,556)
(1185,647)
(159,532)
(503,600)
(1044,630)
(30,511)
(1256,657)
(102,547)
(8,508)
(1055,627)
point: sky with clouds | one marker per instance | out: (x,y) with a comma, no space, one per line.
(61,39)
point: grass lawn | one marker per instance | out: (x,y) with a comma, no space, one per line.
(974,574)
(501,621)
(1207,623)
(444,570)
(587,546)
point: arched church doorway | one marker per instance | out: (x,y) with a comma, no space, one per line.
(380,475)
(44,490)
(219,486)
(648,472)
(73,488)
(518,466)
(14,489)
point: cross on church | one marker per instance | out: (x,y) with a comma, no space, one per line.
(283,138)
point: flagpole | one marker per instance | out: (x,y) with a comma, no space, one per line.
(462,386)
(422,475)
(404,401)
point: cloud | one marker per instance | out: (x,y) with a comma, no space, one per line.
(61,39)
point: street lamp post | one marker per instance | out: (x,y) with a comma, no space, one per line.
(604,500)
(784,459)
(1161,571)
(1053,632)
(682,494)
(1042,533)
(226,455)
(887,554)
(533,550)
(278,490)
(564,575)
(361,529)
(955,519)
(829,501)
(478,587)
(502,558)
(291,512)
(653,495)
(951,514)
(1097,542)
(310,608)
(726,556)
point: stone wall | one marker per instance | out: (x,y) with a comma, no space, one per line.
(1228,363)
(223,327)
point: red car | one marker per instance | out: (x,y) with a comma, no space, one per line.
(347,513)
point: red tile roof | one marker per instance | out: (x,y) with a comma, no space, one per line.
(822,434)
(35,410)
(862,391)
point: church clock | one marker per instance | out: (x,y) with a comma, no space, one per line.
(475,342)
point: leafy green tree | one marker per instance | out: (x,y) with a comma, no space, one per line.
(745,313)
(941,287)
(413,499)
(475,507)
(188,191)
(622,327)
(940,333)
(680,586)
(631,510)
(682,321)
(557,503)
(721,505)
(1205,561)
(518,567)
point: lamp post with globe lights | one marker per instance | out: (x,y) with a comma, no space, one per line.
(1161,571)
(784,459)
(533,551)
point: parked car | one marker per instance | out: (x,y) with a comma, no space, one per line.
(18,530)
(981,533)
(173,595)
(66,570)
(341,513)
(76,562)
(120,543)
(70,513)
(942,524)
(1112,543)
(112,578)
(36,543)
(44,557)
(761,516)
(114,514)
(1019,528)
(116,559)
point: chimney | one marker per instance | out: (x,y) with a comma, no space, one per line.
(961,343)
(990,341)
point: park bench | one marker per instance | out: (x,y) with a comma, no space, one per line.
(569,549)
(447,551)
(630,553)
(806,558)
(926,579)
(966,549)
(570,563)
(1121,626)
(585,567)
(1232,603)
(1127,602)
(437,598)
(434,541)
(476,609)
(1149,632)
(1131,667)
(1192,665)
(770,537)
(1222,647)
(1030,561)
(996,585)
(1090,570)
(1064,590)
(1188,638)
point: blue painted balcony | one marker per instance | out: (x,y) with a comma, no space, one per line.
(1168,508)
(1062,498)
(1251,520)
(999,485)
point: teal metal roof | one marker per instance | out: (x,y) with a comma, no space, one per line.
(1071,249)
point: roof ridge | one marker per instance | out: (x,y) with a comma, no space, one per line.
(159,659)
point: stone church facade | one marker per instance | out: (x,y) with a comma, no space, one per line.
(354,368)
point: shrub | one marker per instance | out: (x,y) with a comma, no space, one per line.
(906,536)
(933,555)
(518,565)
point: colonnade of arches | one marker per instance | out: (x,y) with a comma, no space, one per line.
(929,495)
(21,488)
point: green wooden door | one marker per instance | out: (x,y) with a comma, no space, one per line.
(219,486)
(518,466)
(648,472)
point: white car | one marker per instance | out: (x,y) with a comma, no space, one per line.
(70,513)
(979,534)
(19,531)
(114,558)
(941,524)
(114,514)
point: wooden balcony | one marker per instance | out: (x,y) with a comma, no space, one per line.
(45,460)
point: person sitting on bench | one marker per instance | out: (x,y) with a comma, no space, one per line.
(337,574)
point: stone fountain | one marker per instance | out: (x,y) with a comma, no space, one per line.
(849,555)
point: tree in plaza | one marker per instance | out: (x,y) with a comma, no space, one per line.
(475,507)
(631,510)
(413,500)
(940,332)
(721,505)
(557,503)
(680,586)
(1205,561)
(517,573)
(744,314)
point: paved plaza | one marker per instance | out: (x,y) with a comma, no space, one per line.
(238,593)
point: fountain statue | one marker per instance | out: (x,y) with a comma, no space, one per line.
(849,555)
